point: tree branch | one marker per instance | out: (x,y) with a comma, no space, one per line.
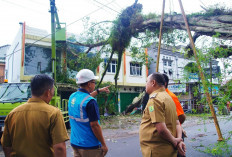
(101,43)
(100,23)
(76,55)
(88,50)
(104,73)
(204,25)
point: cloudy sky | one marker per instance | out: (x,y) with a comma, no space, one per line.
(35,12)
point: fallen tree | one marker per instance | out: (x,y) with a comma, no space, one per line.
(132,24)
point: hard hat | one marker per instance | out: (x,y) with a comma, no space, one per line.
(5,80)
(84,76)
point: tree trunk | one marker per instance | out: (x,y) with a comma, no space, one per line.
(202,24)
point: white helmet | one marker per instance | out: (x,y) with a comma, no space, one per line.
(84,76)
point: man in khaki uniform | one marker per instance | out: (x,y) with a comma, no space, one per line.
(36,129)
(160,132)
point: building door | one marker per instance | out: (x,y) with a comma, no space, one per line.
(126,99)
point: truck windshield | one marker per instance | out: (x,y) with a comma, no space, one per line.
(14,92)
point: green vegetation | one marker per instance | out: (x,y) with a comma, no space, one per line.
(107,102)
(222,148)
(213,10)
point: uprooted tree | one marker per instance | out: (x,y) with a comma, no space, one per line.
(136,31)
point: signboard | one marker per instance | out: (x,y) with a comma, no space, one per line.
(177,88)
(193,76)
(214,92)
(215,71)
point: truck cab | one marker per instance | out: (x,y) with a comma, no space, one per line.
(15,94)
(11,96)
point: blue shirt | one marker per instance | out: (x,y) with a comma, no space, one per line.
(83,109)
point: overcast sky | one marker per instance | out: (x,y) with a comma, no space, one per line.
(35,12)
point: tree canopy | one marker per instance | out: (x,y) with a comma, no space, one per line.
(135,31)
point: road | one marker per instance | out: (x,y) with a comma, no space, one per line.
(200,134)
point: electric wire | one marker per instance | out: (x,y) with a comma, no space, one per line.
(90,13)
(103,8)
(203,3)
(66,26)
(118,5)
(18,5)
(114,4)
(106,6)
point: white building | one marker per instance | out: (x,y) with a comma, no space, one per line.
(31,42)
(131,79)
(174,64)
(132,75)
(30,54)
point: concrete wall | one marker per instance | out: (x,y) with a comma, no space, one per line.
(124,78)
(132,79)
(13,58)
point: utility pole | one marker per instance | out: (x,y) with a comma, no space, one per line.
(160,37)
(211,89)
(53,31)
(209,99)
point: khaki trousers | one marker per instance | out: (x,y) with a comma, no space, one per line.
(87,152)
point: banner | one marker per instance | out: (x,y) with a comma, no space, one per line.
(177,88)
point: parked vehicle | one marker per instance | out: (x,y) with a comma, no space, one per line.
(15,94)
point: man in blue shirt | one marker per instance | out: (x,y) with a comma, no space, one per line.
(86,133)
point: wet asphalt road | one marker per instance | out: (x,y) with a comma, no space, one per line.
(198,136)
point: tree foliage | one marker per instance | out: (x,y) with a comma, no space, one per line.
(134,31)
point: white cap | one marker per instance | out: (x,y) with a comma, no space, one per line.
(84,76)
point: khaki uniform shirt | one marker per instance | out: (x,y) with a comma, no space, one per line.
(160,108)
(33,128)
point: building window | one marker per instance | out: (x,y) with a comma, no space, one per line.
(170,63)
(39,67)
(37,60)
(112,66)
(165,63)
(170,73)
(135,69)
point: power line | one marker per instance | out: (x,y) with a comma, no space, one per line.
(104,5)
(102,8)
(107,6)
(29,45)
(203,4)
(115,4)
(90,13)
(18,5)
(118,5)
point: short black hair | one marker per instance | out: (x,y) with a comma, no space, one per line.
(85,84)
(159,78)
(41,83)
(166,80)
